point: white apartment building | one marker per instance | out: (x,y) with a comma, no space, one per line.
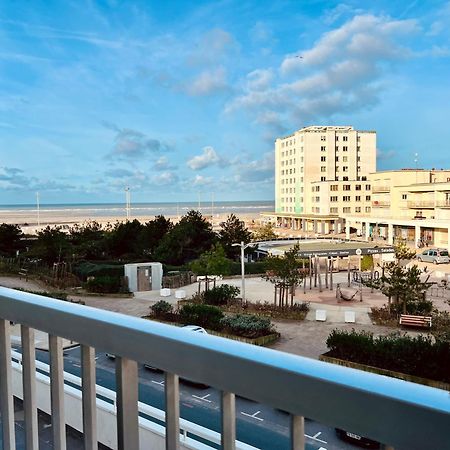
(411,205)
(321,173)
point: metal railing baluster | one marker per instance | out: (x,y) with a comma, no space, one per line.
(57,392)
(172,390)
(228,421)
(29,387)
(89,398)
(127,404)
(6,397)
(297,432)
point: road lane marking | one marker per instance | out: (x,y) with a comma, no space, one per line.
(204,398)
(253,416)
(317,435)
(161,383)
(314,438)
(322,448)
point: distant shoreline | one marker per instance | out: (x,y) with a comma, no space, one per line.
(66,215)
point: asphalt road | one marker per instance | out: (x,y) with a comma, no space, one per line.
(258,425)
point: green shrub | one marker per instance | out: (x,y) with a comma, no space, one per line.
(220,295)
(87,269)
(419,356)
(57,295)
(247,325)
(104,285)
(202,315)
(161,309)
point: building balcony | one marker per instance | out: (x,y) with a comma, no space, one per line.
(401,414)
(381,204)
(380,189)
(443,204)
(427,204)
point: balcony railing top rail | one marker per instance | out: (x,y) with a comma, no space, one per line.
(380,188)
(392,411)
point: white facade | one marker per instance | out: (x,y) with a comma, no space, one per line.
(144,276)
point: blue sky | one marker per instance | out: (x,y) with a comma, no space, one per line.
(178,98)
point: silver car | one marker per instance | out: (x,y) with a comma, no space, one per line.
(434,255)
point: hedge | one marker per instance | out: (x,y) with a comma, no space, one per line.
(87,269)
(420,356)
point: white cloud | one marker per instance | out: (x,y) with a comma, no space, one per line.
(257,170)
(208,158)
(200,180)
(208,82)
(165,178)
(163,163)
(344,71)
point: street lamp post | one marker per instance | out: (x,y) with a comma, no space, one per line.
(243,247)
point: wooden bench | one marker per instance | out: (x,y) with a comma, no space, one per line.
(407,320)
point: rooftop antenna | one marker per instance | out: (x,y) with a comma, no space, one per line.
(128,202)
(37,210)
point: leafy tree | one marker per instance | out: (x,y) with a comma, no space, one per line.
(52,245)
(405,287)
(152,233)
(233,231)
(213,262)
(402,251)
(88,240)
(10,239)
(123,239)
(284,272)
(264,233)
(187,240)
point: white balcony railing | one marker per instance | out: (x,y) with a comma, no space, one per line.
(399,413)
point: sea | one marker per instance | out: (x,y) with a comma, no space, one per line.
(94,211)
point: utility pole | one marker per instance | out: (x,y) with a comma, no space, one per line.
(128,202)
(37,209)
(243,247)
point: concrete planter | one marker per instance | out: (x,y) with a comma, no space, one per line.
(261,341)
(388,373)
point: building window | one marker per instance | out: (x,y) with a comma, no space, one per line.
(358,169)
(346,210)
(323,138)
(357,209)
(323,169)
(367,187)
(337,137)
(345,148)
(344,178)
(334,187)
(357,187)
(358,158)
(323,178)
(346,187)
(358,198)
(337,158)
(323,158)
(367,198)
(404,196)
(345,138)
(346,198)
(345,168)
(333,198)
(364,178)
(367,209)
(333,210)
(345,159)
(323,148)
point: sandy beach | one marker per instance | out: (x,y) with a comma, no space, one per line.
(28,222)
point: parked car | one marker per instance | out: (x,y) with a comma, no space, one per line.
(356,439)
(434,255)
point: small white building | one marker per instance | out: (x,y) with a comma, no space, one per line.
(144,276)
